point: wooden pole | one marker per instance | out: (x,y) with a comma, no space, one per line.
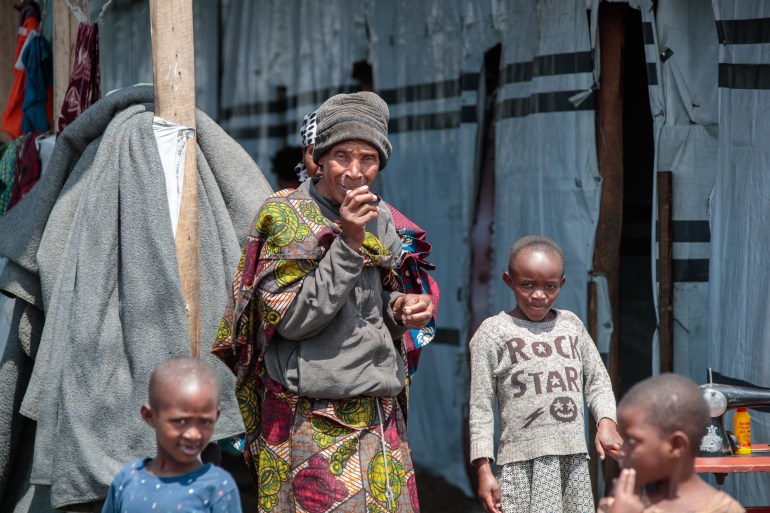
(173,69)
(609,146)
(665,272)
(65,35)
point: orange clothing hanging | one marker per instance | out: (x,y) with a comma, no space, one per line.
(13,114)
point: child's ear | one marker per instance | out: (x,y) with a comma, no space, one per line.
(563,280)
(508,279)
(147,414)
(680,444)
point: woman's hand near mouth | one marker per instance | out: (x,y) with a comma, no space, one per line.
(358,209)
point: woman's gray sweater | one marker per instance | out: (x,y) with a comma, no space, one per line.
(336,340)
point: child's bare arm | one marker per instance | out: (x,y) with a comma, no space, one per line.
(608,440)
(483,396)
(597,388)
(489,489)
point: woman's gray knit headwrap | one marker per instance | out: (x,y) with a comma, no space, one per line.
(353,117)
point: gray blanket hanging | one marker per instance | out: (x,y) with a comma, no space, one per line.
(92,247)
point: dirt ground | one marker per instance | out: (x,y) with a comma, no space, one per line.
(436,495)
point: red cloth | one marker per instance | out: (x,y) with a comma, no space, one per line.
(83,88)
(413,271)
(26,173)
(13,115)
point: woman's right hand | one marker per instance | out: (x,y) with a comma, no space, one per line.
(358,209)
(489,489)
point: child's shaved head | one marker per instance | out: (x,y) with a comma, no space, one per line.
(536,243)
(180,371)
(671,403)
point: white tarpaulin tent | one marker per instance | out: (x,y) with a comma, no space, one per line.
(707,75)
(426,60)
(280,60)
(709,96)
(739,299)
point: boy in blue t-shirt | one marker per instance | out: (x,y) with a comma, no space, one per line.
(183,408)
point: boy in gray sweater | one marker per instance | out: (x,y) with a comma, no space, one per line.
(539,364)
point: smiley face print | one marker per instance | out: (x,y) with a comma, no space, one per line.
(564,409)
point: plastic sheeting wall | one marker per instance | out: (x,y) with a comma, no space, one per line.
(547,179)
(280,60)
(425,60)
(680,48)
(432,94)
(126,47)
(710,99)
(739,300)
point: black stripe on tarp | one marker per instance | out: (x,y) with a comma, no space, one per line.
(691,231)
(255,109)
(744,32)
(421,92)
(284,104)
(694,270)
(688,231)
(542,103)
(422,122)
(547,65)
(470,81)
(411,93)
(431,90)
(447,337)
(313,97)
(727,380)
(468,114)
(648,36)
(652,74)
(262,131)
(744,76)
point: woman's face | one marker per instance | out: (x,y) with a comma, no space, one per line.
(310,165)
(347,166)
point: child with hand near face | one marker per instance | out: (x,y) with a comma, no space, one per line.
(183,408)
(538,364)
(663,420)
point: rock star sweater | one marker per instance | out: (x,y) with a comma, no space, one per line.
(539,373)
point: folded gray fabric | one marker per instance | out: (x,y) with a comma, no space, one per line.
(358,116)
(92,244)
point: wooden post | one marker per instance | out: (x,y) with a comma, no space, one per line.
(9,29)
(173,69)
(65,35)
(665,272)
(609,147)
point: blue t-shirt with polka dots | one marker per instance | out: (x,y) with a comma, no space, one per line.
(210,489)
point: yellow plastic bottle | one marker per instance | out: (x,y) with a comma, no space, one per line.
(742,430)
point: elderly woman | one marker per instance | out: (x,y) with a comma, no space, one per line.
(314,331)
